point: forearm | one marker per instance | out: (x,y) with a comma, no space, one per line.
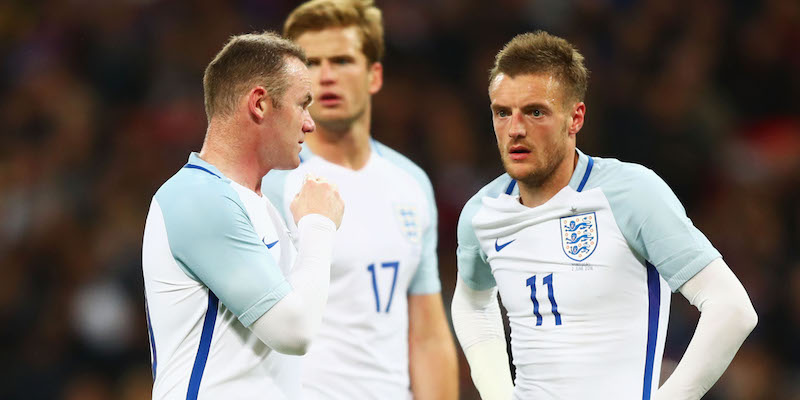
(726,318)
(433,365)
(434,369)
(479,328)
(289,325)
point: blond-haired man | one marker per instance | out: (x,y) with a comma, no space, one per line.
(384,334)
(226,290)
(584,252)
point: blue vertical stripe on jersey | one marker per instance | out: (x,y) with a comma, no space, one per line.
(586,174)
(511,186)
(205,345)
(152,338)
(200,168)
(654,305)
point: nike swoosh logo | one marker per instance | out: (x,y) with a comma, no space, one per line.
(500,247)
(269,245)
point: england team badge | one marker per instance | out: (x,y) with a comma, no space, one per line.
(579,235)
(408,220)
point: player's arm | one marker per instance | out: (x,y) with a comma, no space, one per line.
(432,354)
(289,326)
(657,227)
(726,318)
(432,360)
(214,242)
(476,313)
(479,327)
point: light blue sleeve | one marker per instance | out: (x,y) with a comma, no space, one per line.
(473,267)
(426,279)
(213,240)
(654,222)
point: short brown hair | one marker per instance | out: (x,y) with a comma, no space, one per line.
(316,15)
(247,60)
(541,52)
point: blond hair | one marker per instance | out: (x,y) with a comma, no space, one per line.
(316,15)
(245,61)
(541,52)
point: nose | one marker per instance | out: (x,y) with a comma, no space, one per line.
(326,73)
(308,123)
(517,127)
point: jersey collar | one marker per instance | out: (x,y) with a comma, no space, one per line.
(582,171)
(194,159)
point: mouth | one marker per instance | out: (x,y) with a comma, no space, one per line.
(329,99)
(518,152)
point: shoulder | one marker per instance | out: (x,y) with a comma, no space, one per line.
(636,195)
(404,164)
(197,195)
(503,184)
(617,178)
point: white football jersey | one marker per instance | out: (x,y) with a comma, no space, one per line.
(214,259)
(585,277)
(384,251)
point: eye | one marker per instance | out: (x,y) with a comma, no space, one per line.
(312,63)
(342,60)
(536,112)
(502,113)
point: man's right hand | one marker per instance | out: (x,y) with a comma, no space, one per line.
(318,196)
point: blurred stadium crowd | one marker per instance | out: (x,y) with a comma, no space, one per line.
(100,102)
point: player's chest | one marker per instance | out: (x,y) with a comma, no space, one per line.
(378,230)
(580,262)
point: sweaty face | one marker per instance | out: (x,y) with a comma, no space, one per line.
(341,77)
(531,124)
(291,119)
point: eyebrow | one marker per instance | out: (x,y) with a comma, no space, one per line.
(497,107)
(534,105)
(526,107)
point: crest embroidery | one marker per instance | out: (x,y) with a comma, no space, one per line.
(579,235)
(408,220)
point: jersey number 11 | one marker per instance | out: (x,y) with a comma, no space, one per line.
(547,281)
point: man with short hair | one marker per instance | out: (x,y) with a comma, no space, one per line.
(384,330)
(226,291)
(584,252)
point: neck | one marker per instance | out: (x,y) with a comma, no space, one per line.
(236,159)
(536,195)
(347,146)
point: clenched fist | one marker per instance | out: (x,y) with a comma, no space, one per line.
(318,196)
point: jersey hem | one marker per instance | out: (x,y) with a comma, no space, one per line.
(690,270)
(432,289)
(265,304)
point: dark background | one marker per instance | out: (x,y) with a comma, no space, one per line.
(101,102)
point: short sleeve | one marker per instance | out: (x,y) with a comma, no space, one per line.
(426,279)
(473,267)
(656,226)
(213,240)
